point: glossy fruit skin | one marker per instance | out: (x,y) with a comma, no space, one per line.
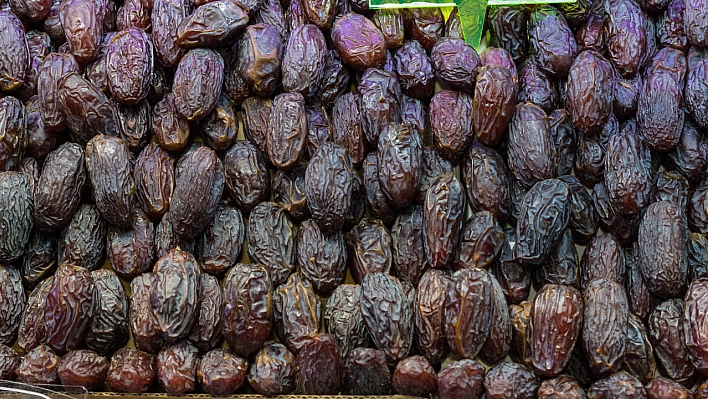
(626,39)
(584,219)
(392,329)
(196,97)
(556,321)
(296,312)
(15,60)
(407,245)
(562,265)
(39,366)
(9,363)
(12,302)
(304,60)
(461,379)
(129,64)
(166,239)
(273,370)
(83,368)
(508,26)
(208,328)
(414,70)
(399,154)
(214,24)
(108,330)
(219,247)
(132,251)
(170,128)
(451,122)
(468,314)
(256,112)
(143,325)
(259,58)
(604,325)
(86,109)
(166,17)
(562,387)
(661,387)
(530,129)
(220,128)
(639,358)
(590,89)
(32,331)
(661,98)
(542,220)
(289,192)
(375,198)
(319,129)
(379,102)
(442,215)
(697,250)
(498,342)
(510,380)
(271,240)
(368,249)
(487,181)
(177,368)
(696,88)
(335,79)
(328,187)
(693,324)
(690,156)
(111,176)
(603,258)
(54,67)
(624,227)
(514,279)
(618,385)
(695,18)
(131,371)
(425,25)
(134,124)
(246,173)
(287,130)
(318,367)
(221,372)
(175,309)
(494,103)
(15,140)
(83,22)
(344,320)
(366,372)
(16,206)
(71,303)
(348,130)
(199,183)
(537,87)
(248,307)
(322,258)
(552,41)
(663,230)
(359,42)
(480,241)
(455,63)
(415,376)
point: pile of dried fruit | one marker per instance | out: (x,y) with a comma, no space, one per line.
(118,142)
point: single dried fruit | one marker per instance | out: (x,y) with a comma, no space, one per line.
(71,304)
(247,308)
(273,370)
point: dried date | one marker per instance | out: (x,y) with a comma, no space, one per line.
(248,307)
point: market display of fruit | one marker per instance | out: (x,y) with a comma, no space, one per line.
(312,197)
